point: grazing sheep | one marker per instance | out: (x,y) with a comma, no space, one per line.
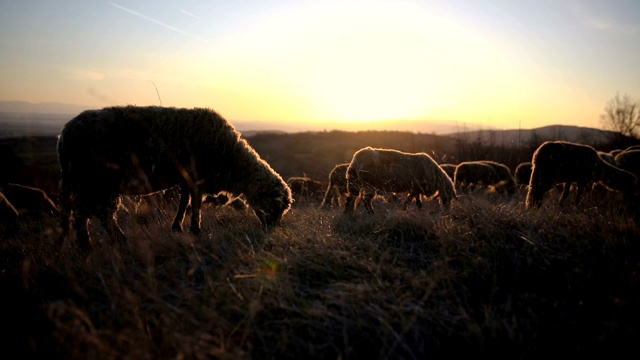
(395,171)
(523,173)
(630,161)
(504,179)
(450,169)
(141,150)
(471,174)
(615,152)
(32,203)
(561,162)
(608,158)
(305,188)
(337,188)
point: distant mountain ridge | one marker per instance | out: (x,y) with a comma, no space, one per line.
(515,137)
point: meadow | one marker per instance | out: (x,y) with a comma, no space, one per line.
(485,277)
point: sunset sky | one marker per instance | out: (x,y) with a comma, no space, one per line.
(330,64)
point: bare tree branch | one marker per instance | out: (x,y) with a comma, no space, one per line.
(622,115)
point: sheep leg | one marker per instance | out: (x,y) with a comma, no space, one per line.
(535,194)
(196,213)
(107,218)
(566,188)
(111,226)
(581,187)
(328,197)
(418,201)
(407,201)
(182,209)
(81,227)
(349,205)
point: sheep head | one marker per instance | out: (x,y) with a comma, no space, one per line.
(273,207)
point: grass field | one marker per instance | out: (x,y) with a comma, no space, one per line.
(485,277)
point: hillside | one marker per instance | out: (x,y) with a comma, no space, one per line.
(520,137)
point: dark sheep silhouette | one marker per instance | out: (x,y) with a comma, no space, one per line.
(504,178)
(450,169)
(608,158)
(474,174)
(484,173)
(336,192)
(303,187)
(337,188)
(141,150)
(395,171)
(561,162)
(523,173)
(615,152)
(629,161)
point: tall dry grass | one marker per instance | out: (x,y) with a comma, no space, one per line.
(484,277)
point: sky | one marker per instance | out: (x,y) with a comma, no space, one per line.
(350,65)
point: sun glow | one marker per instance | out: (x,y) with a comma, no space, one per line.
(366,62)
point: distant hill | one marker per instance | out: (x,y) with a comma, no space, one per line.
(50,108)
(517,137)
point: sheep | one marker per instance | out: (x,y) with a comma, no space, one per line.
(523,173)
(504,179)
(608,158)
(450,169)
(395,171)
(32,203)
(472,173)
(303,187)
(337,187)
(561,162)
(629,161)
(132,150)
(615,152)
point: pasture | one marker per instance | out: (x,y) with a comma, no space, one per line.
(485,277)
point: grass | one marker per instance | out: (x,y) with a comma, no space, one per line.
(485,277)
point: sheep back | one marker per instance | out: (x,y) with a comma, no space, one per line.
(449,169)
(8,213)
(629,160)
(31,202)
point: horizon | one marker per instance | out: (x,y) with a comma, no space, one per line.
(52,115)
(492,64)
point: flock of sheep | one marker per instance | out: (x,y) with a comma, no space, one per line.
(135,151)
